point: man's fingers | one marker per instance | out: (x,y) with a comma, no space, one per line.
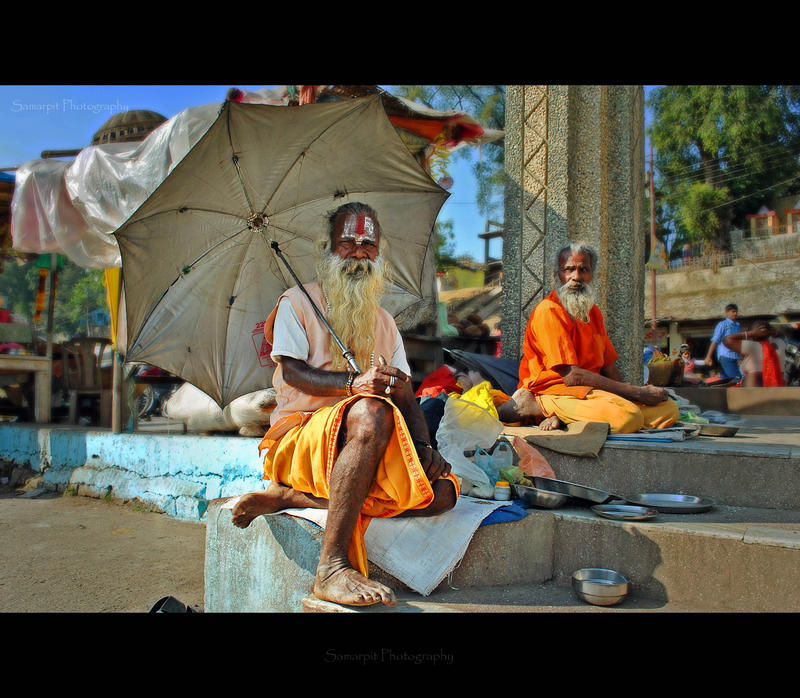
(381,360)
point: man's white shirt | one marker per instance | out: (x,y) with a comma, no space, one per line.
(290,340)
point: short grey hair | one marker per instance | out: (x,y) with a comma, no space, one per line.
(576,248)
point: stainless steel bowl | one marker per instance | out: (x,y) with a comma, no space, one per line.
(600,586)
(535,497)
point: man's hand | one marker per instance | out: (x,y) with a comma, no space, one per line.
(431,460)
(761,332)
(377,379)
(652,395)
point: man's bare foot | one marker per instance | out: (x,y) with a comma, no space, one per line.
(550,423)
(254,504)
(346,586)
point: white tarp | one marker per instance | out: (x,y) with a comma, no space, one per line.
(73,207)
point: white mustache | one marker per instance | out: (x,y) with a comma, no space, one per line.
(575,287)
(356,266)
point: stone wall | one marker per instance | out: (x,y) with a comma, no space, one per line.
(175,474)
(758,288)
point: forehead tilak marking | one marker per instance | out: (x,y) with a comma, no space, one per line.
(360,227)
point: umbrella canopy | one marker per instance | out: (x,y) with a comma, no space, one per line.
(200,276)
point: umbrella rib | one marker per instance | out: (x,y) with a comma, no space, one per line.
(235,159)
(277,187)
(184,209)
(175,280)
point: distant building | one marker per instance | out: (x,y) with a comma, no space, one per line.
(759,275)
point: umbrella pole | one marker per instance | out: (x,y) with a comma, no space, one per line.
(346,353)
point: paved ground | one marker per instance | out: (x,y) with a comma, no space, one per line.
(62,553)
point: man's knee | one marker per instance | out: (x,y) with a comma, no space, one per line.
(369,417)
(624,417)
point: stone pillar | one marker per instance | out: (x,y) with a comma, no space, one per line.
(574,160)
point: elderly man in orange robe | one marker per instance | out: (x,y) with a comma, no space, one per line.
(354,444)
(568,371)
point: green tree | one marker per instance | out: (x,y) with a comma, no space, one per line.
(486,104)
(444,251)
(721,152)
(78,292)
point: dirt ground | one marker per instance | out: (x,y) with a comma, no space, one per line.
(62,553)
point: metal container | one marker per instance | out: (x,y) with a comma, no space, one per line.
(711,429)
(600,586)
(673,503)
(535,497)
(572,489)
(624,512)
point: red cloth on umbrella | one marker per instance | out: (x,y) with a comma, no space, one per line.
(457,131)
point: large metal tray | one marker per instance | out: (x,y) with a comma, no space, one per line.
(573,489)
(672,503)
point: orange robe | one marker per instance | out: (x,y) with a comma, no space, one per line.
(553,338)
(301,444)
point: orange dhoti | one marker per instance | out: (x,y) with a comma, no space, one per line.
(622,416)
(301,451)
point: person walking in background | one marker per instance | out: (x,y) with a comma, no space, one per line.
(727,359)
(763,355)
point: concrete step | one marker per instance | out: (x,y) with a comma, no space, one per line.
(728,559)
(758,467)
(546,597)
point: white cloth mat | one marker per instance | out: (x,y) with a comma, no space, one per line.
(419,551)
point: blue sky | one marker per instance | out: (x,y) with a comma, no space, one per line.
(34,118)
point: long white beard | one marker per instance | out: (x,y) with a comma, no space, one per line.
(578,299)
(353,289)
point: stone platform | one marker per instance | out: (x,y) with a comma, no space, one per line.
(742,556)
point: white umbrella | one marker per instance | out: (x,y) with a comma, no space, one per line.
(200,275)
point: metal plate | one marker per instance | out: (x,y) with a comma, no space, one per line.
(672,503)
(711,429)
(572,489)
(624,512)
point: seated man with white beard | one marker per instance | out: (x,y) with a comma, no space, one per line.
(568,368)
(354,444)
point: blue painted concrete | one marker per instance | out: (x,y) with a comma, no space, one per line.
(174,473)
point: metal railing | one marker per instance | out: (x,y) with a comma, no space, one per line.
(756,248)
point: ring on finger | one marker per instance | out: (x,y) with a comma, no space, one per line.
(391,381)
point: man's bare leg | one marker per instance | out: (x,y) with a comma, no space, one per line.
(368,426)
(274,498)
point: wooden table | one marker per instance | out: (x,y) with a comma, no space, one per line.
(42,368)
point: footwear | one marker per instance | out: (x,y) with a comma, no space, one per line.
(169,604)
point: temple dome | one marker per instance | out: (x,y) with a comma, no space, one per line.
(126,126)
